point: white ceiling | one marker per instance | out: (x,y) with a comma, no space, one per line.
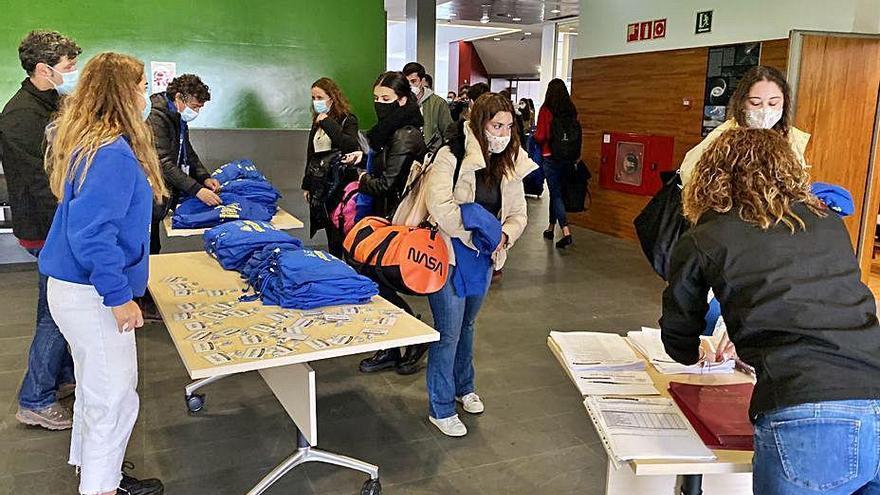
(499,11)
(514,54)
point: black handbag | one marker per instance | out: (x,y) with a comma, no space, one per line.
(661,223)
(576,188)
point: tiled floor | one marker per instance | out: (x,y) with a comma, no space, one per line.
(533,439)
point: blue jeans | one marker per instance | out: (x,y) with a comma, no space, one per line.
(831,448)
(450,371)
(555,173)
(49,360)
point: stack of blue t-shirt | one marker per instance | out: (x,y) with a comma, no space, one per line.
(306,279)
(192,213)
(233,243)
(258,191)
(239,169)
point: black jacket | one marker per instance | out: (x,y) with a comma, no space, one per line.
(794,306)
(22,147)
(166,133)
(391,168)
(344,137)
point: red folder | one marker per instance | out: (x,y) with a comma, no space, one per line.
(719,413)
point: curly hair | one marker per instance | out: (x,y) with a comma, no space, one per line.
(755,173)
(737,105)
(47,47)
(189,85)
(340,109)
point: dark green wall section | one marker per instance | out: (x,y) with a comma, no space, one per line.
(259,57)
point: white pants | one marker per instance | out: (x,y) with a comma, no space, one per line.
(105,365)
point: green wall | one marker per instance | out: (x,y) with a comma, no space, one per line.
(259,57)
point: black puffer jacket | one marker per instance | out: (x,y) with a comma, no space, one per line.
(22,147)
(166,134)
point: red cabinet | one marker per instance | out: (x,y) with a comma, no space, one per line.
(632,163)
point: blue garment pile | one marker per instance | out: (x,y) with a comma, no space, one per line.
(838,199)
(233,243)
(257,191)
(471,267)
(305,279)
(239,169)
(192,213)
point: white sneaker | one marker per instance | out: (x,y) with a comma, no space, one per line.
(471,403)
(451,427)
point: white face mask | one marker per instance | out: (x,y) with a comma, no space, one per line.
(417,90)
(497,144)
(763,118)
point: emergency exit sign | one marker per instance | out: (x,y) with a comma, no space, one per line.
(646,30)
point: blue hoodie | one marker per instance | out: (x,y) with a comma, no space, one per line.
(472,268)
(100,235)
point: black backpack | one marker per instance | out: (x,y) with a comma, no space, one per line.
(565,138)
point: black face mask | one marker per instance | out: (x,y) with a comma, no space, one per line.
(383,110)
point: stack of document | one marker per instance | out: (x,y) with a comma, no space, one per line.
(648,342)
(622,383)
(645,428)
(596,351)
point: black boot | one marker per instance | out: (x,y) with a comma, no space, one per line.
(382,360)
(411,359)
(133,486)
(564,242)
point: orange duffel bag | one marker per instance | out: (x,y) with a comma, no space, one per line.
(411,260)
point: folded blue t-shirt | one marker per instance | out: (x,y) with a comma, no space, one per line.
(255,190)
(233,243)
(470,277)
(239,169)
(193,214)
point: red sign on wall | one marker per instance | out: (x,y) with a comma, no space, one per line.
(632,32)
(660,28)
(646,30)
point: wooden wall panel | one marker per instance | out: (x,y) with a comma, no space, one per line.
(775,54)
(635,93)
(837,103)
(642,93)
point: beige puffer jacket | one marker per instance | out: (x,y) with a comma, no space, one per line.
(443,203)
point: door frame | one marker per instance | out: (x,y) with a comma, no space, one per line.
(871,209)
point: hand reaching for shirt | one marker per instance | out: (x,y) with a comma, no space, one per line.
(208,197)
(212,184)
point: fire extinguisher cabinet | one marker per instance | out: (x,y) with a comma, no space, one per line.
(632,163)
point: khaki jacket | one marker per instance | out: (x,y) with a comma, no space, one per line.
(796,137)
(443,203)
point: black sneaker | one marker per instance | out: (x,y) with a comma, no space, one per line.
(564,242)
(133,486)
(548,234)
(382,360)
(411,359)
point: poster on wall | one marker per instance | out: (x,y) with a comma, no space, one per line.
(161,74)
(726,66)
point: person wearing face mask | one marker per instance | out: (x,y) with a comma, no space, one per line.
(104,170)
(396,142)
(334,128)
(761,101)
(171,113)
(475,195)
(434,109)
(49,59)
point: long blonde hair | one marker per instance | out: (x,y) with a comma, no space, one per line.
(100,110)
(755,173)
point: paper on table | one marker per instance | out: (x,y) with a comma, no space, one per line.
(596,351)
(615,383)
(645,428)
(648,342)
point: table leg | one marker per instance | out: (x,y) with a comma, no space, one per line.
(195,402)
(692,484)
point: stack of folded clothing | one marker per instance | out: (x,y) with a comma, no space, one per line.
(233,243)
(239,169)
(192,213)
(305,279)
(245,192)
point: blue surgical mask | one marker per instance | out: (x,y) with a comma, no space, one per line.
(148,107)
(188,114)
(68,83)
(320,106)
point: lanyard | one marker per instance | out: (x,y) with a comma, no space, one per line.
(182,161)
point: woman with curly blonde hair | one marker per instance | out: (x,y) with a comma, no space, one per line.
(103,168)
(789,286)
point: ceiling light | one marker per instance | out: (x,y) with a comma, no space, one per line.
(516,19)
(528,34)
(497,39)
(555,11)
(485,18)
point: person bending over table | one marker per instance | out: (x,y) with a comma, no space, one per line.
(103,168)
(782,266)
(183,171)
